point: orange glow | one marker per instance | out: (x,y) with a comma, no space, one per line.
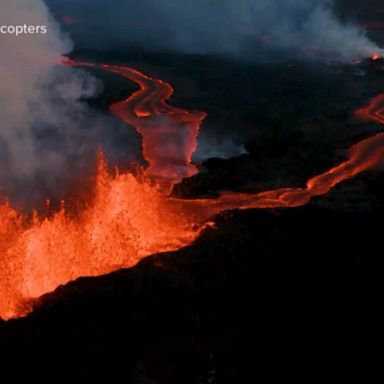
(127,217)
(375,56)
(125,221)
(373,111)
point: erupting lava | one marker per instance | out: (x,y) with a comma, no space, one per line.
(128,218)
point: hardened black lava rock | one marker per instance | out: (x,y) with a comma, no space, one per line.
(268,292)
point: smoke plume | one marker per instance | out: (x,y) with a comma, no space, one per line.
(242,28)
(47,132)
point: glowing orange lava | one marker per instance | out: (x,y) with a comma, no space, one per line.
(125,221)
(375,56)
(169,134)
(128,218)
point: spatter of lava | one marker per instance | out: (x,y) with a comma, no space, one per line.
(128,218)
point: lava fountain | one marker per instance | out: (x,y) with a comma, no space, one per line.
(128,218)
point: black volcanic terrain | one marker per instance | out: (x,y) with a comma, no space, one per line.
(267,292)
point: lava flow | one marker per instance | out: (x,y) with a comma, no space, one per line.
(169,134)
(128,218)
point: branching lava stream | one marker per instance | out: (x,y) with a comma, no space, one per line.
(129,218)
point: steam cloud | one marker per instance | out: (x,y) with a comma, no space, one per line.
(47,133)
(235,27)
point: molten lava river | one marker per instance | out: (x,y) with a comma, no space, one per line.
(130,217)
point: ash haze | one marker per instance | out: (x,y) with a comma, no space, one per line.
(241,28)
